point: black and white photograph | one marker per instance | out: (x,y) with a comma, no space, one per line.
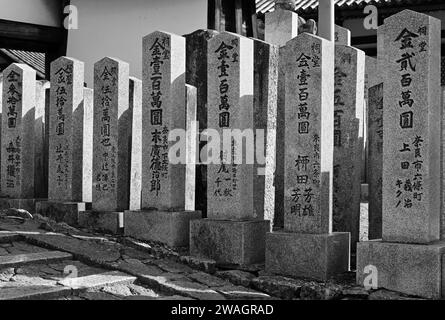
(230,158)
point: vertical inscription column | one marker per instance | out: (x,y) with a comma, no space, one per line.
(66,95)
(230,94)
(112,120)
(308,135)
(163,183)
(18,119)
(411,124)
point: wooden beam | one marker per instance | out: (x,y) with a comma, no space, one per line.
(20,31)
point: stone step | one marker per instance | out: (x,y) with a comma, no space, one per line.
(97,280)
(8,236)
(33,258)
(34,292)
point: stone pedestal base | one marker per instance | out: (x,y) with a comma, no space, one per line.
(171,228)
(103,221)
(229,242)
(62,211)
(411,269)
(312,256)
(26,204)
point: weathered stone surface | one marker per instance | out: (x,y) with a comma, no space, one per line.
(411,164)
(191,147)
(196,75)
(206,265)
(408,268)
(320,291)
(13,212)
(232,292)
(40,160)
(281,26)
(87,138)
(29,258)
(106,221)
(442,217)
(208,279)
(135,95)
(163,82)
(372,75)
(18,130)
(314,256)
(265,124)
(25,204)
(60,211)
(342,36)
(237,242)
(111,131)
(33,293)
(97,280)
(172,266)
(308,135)
(277,286)
(375,160)
(66,120)
(355,292)
(97,296)
(97,253)
(194,290)
(237,277)
(172,228)
(383,294)
(7,236)
(1,110)
(230,173)
(348,139)
(137,268)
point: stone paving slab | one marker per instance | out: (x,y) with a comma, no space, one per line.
(97,280)
(232,292)
(38,257)
(33,292)
(7,236)
(21,247)
(163,271)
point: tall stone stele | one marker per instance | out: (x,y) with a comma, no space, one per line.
(163,216)
(70,125)
(307,247)
(17,137)
(281,25)
(233,232)
(196,75)
(349,82)
(409,257)
(112,123)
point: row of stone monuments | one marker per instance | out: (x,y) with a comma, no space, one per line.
(108,154)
